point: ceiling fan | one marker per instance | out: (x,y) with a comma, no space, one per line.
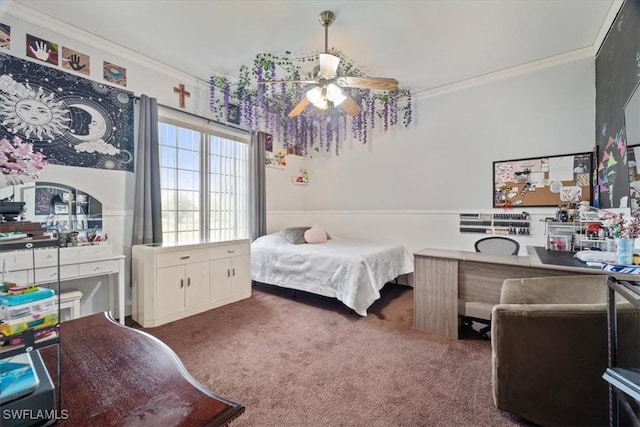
(328,84)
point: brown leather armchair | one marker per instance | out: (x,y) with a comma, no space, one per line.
(549,349)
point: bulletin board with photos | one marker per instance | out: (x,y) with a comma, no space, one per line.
(542,181)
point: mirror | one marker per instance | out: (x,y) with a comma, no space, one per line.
(632,126)
(632,117)
(58,207)
(633,156)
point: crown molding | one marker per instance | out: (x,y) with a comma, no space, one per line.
(606,25)
(588,52)
(50,23)
(530,67)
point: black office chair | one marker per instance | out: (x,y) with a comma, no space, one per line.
(478,311)
(497,245)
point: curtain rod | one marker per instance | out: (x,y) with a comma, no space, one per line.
(208,120)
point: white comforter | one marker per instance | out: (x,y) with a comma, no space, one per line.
(353,271)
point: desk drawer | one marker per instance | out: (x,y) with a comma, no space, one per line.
(8,259)
(46,257)
(95,250)
(229,251)
(50,274)
(98,267)
(68,255)
(21,260)
(19,277)
(167,259)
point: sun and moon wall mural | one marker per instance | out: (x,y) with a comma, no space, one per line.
(72,120)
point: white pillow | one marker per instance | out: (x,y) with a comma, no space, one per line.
(315,235)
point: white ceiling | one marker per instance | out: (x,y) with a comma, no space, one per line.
(424,44)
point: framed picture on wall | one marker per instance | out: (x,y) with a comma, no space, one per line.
(268,143)
(233,114)
(295,150)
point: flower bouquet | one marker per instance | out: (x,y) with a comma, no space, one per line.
(280,159)
(619,227)
(625,233)
(18,161)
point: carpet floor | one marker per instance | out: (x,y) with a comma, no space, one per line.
(310,361)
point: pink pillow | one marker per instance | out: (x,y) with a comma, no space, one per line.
(315,235)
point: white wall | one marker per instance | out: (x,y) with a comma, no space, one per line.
(406,186)
(114,189)
(410,185)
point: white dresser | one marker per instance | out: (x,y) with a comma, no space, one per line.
(171,282)
(41,266)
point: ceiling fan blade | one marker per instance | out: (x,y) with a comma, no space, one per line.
(382,83)
(298,108)
(328,65)
(288,81)
(350,106)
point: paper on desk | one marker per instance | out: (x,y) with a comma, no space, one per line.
(595,256)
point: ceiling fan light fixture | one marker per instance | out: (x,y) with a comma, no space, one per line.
(329,92)
(322,104)
(328,65)
(334,94)
(318,98)
(314,95)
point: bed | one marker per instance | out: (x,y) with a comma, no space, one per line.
(353,271)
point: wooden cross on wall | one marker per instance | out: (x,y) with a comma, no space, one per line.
(182,94)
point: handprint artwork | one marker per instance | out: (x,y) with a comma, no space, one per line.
(75,61)
(41,49)
(5,36)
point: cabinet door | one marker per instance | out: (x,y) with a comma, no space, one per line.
(197,283)
(220,279)
(240,274)
(170,290)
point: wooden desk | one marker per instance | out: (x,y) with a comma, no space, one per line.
(444,278)
(113,375)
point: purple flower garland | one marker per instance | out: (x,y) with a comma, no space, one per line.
(266,109)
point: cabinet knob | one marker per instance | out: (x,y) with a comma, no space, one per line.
(181,283)
(233,271)
(230,251)
(188,281)
(228,273)
(185,257)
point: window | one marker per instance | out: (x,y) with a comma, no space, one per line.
(204,179)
